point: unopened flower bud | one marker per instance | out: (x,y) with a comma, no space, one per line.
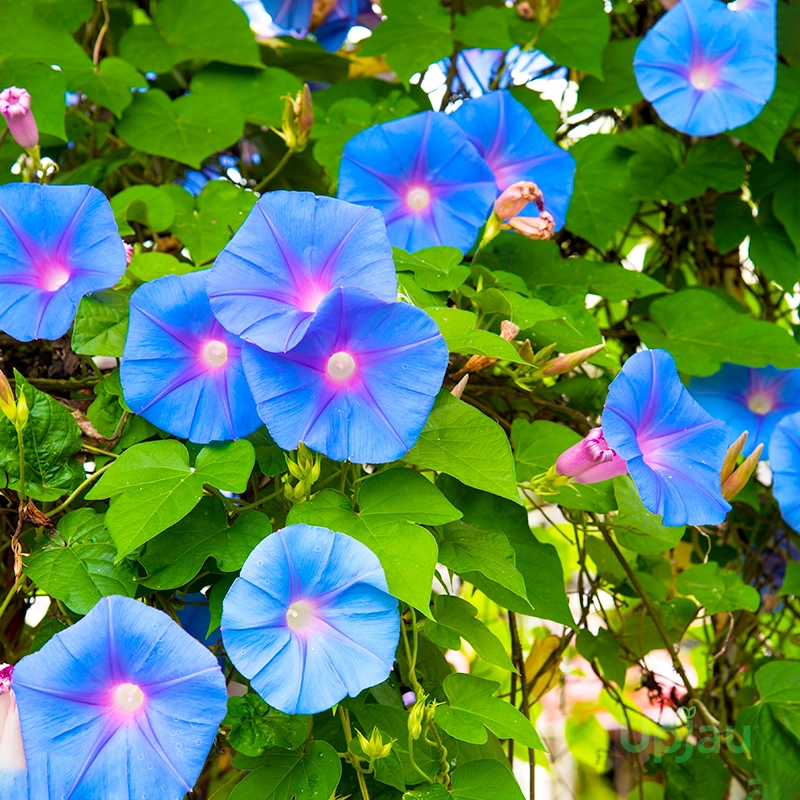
(458,389)
(590,460)
(738,479)
(516,197)
(508,330)
(734,451)
(128,252)
(416,717)
(22,410)
(12,754)
(298,117)
(566,363)
(305,110)
(374,747)
(541,227)
(7,404)
(524,10)
(15,106)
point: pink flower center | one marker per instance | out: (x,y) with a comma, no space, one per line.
(760,403)
(127,698)
(300,615)
(310,295)
(214,354)
(597,448)
(53,277)
(703,77)
(341,366)
(418,198)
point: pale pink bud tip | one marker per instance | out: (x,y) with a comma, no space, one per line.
(591,460)
(541,227)
(568,362)
(6,671)
(128,252)
(15,106)
(524,10)
(516,197)
(12,754)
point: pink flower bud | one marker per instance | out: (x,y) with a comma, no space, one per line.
(516,197)
(8,405)
(590,460)
(128,252)
(15,106)
(508,330)
(568,362)
(541,227)
(12,754)
(524,10)
(305,113)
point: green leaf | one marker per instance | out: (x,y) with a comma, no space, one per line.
(771,249)
(391,504)
(466,549)
(473,708)
(255,726)
(702,332)
(458,328)
(537,445)
(77,566)
(733,221)
(174,557)
(221,209)
(602,201)
(475,780)
(771,726)
(147,205)
(786,201)
(455,618)
(50,440)
(461,441)
(588,741)
(578,36)
(766,130)
(207,30)
(346,117)
(703,775)
(436,269)
(110,84)
(152,487)
(414,36)
(637,528)
(106,410)
(537,562)
(791,581)
(314,773)
(259,94)
(639,633)
(486,27)
(187,129)
(605,648)
(101,324)
(46,87)
(718,589)
(67,14)
(619,87)
(226,465)
(152,265)
(661,170)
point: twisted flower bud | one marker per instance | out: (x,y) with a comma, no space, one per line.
(15,106)
(566,363)
(7,404)
(298,117)
(590,460)
(516,197)
(541,227)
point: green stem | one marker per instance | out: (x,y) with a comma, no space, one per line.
(21,467)
(275,172)
(411,758)
(93,477)
(411,657)
(11,592)
(344,716)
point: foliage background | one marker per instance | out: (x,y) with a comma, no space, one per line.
(690,245)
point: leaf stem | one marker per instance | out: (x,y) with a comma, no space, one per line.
(93,477)
(344,716)
(275,172)
(21,467)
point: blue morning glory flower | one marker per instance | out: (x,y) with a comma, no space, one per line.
(674,449)
(477,70)
(431,185)
(784,461)
(707,69)
(57,243)
(517,149)
(292,249)
(181,370)
(123,698)
(310,619)
(359,386)
(748,399)
(330,27)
